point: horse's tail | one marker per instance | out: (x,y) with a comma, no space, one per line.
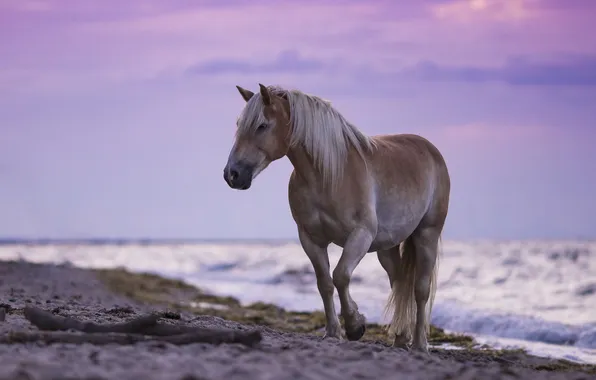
(401,305)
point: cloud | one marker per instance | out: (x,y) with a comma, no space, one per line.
(60,45)
(504,10)
(288,61)
(517,72)
(567,4)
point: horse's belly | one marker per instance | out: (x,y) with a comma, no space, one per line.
(389,238)
(394,225)
(395,222)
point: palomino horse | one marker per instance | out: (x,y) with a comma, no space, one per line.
(388,194)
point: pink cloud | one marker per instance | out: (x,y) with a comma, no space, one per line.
(486,32)
(72,43)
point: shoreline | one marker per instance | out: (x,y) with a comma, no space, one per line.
(291,338)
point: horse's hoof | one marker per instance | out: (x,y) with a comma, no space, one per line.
(402,342)
(401,346)
(419,348)
(356,333)
(331,337)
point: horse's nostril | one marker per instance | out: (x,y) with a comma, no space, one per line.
(233,174)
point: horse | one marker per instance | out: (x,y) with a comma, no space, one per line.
(385,193)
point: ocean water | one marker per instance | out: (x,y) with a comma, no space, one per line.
(539,295)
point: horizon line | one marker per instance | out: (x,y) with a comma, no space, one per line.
(7,241)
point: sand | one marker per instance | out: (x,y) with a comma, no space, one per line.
(80,293)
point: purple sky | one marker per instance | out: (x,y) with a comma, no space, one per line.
(116,118)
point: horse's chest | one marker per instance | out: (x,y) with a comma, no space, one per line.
(320,221)
(325,227)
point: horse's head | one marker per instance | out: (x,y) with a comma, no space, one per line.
(261,138)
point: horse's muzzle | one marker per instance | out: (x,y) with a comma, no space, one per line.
(239,175)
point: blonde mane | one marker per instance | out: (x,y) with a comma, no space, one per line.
(323,132)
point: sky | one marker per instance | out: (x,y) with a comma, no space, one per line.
(117,118)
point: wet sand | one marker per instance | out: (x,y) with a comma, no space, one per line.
(107,296)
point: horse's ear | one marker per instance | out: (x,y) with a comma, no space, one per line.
(246,94)
(265,95)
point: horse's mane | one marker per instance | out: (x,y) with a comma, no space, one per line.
(323,132)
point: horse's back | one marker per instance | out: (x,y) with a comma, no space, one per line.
(411,145)
(409,156)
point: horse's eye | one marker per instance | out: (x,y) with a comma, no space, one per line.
(261,127)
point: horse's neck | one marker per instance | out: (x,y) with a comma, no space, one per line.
(304,166)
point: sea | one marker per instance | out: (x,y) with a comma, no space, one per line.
(536,295)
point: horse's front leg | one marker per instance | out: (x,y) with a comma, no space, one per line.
(355,249)
(319,259)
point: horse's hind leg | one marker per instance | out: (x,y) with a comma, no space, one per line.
(425,241)
(401,301)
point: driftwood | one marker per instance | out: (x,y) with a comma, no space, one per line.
(47,321)
(141,329)
(146,324)
(212,337)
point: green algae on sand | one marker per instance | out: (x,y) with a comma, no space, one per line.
(177,295)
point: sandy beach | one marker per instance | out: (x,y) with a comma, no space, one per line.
(287,350)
